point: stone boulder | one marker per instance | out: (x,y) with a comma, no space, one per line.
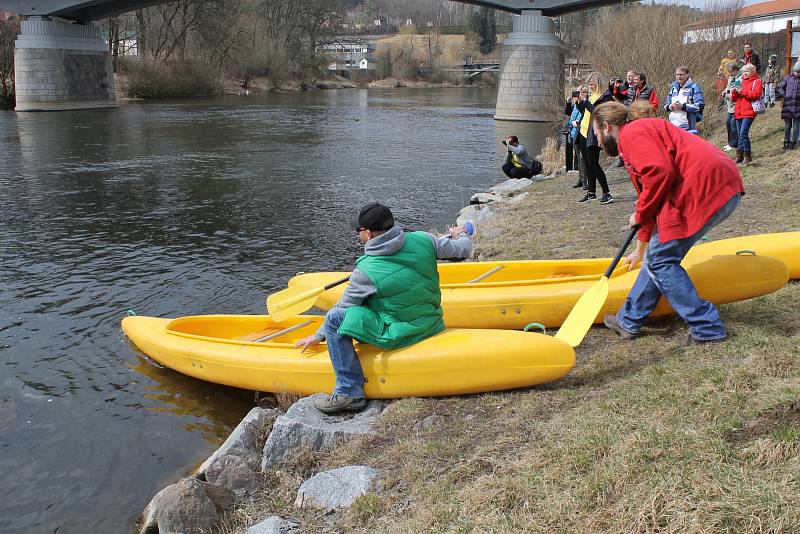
(235,473)
(511,187)
(475,213)
(305,427)
(337,488)
(243,441)
(190,506)
(274,525)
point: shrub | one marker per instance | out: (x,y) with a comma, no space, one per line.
(153,79)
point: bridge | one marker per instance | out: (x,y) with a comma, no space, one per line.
(66,64)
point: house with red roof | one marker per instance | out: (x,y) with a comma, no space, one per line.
(763,17)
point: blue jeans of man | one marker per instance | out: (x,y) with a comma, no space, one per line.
(349,375)
(793,126)
(662,274)
(743,127)
(733,133)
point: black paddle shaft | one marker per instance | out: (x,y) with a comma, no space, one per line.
(337,282)
(621,251)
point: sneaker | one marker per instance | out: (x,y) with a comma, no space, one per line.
(587,197)
(611,322)
(689,341)
(606,199)
(728,148)
(334,404)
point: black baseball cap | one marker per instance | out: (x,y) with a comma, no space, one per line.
(374,216)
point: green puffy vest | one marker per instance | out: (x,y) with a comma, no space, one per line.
(407,306)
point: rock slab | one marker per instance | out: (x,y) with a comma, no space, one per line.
(337,488)
(303,427)
(510,187)
(274,525)
(243,441)
(190,506)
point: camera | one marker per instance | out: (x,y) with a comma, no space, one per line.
(504,142)
(576,93)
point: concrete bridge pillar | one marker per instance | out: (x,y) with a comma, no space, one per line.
(60,66)
(531,70)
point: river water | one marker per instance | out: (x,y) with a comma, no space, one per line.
(179,208)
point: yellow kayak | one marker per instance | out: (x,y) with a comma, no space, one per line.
(251,352)
(512,294)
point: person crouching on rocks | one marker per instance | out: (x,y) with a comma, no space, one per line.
(519,164)
(393,299)
(686,186)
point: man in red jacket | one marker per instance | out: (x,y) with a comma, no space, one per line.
(686,186)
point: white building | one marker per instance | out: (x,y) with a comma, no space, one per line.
(764,17)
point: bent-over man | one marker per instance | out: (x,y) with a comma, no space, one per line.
(686,186)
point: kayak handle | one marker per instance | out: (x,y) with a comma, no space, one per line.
(746,252)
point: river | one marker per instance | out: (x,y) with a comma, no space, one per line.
(176,208)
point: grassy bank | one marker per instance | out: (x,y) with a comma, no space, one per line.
(643,436)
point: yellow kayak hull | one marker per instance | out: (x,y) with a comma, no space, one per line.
(522,292)
(784,246)
(220,349)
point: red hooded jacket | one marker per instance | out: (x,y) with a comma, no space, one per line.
(681,178)
(752,88)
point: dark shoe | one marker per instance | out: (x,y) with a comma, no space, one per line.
(689,341)
(748,158)
(611,322)
(587,197)
(606,199)
(786,145)
(579,184)
(793,146)
(336,404)
(772,104)
(739,156)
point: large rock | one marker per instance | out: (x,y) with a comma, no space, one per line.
(190,506)
(337,488)
(244,440)
(511,186)
(305,427)
(274,525)
(235,473)
(475,213)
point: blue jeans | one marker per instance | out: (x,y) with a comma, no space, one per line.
(662,274)
(795,130)
(743,127)
(349,376)
(733,133)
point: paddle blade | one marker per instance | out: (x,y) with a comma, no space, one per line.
(582,316)
(292,301)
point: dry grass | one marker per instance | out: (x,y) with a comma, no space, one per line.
(642,436)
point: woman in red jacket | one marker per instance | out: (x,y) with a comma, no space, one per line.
(686,186)
(751,90)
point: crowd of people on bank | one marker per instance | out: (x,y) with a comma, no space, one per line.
(742,91)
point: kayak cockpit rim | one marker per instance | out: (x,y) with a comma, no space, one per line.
(259,322)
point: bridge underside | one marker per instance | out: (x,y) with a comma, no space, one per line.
(85,11)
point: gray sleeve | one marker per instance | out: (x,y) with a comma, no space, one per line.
(447,248)
(518,150)
(359,289)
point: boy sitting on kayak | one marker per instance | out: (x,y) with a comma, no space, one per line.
(393,299)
